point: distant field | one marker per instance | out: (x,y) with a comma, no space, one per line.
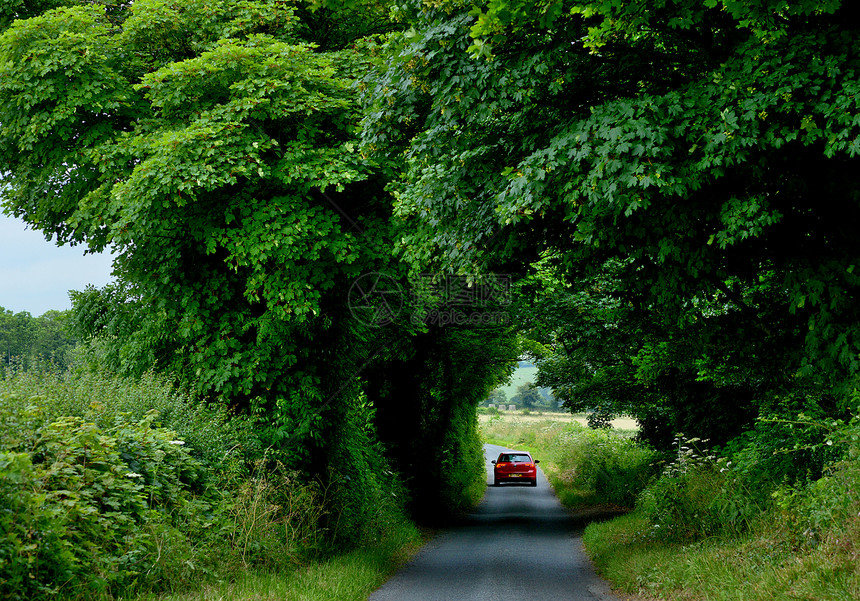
(621,423)
(520,377)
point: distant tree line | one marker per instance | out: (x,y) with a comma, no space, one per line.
(527,396)
(25,340)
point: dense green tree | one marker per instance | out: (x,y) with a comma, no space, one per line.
(497,397)
(527,396)
(215,147)
(701,154)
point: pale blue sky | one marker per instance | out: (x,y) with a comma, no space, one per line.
(36,275)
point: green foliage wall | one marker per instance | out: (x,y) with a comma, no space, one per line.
(94,487)
(682,176)
(112,486)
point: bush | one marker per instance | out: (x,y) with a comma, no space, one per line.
(699,495)
(685,507)
(786,446)
(272,519)
(111,485)
(34,557)
(81,502)
(615,467)
(827,508)
(798,538)
(211,433)
(364,497)
(450,476)
(98,496)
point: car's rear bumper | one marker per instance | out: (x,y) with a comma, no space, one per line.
(509,478)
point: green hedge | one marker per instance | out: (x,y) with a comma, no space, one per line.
(111,486)
(87,509)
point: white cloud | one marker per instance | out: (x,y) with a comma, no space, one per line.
(36,275)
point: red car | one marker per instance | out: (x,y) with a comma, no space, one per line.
(515,466)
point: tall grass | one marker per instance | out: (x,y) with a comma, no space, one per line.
(210,432)
(350,576)
(113,487)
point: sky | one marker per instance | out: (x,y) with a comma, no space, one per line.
(36,275)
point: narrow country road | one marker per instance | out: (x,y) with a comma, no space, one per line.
(519,544)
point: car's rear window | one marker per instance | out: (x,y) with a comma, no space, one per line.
(516,458)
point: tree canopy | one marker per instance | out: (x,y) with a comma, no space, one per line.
(215,147)
(686,171)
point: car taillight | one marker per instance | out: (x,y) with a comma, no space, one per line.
(502,464)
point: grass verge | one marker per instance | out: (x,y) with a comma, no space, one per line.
(684,541)
(351,576)
(760,566)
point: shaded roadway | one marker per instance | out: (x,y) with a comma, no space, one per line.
(519,544)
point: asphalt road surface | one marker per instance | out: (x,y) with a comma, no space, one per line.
(519,544)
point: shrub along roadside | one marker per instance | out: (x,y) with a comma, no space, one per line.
(88,509)
(212,435)
(738,527)
(103,495)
